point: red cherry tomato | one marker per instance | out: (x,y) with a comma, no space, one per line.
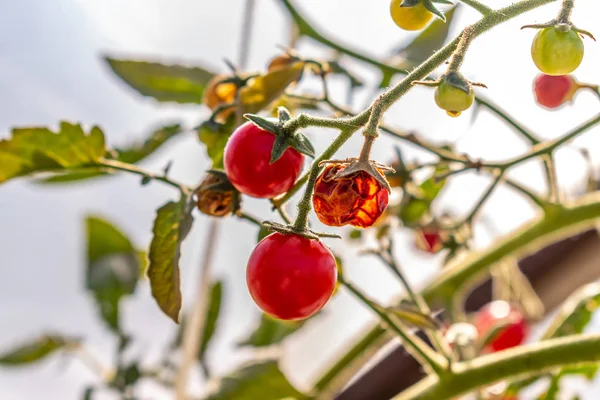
(358,199)
(553,91)
(429,240)
(247,157)
(495,313)
(291,277)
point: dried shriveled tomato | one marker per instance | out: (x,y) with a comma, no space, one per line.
(357,199)
(213,200)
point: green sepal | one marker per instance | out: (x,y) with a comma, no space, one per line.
(283,115)
(458,81)
(428,4)
(409,3)
(283,141)
(279,147)
(302,144)
(268,124)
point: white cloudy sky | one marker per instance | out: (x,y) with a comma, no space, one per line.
(50,69)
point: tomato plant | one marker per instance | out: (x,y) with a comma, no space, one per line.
(257,128)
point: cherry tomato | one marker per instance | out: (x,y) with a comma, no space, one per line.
(555,52)
(217,94)
(291,277)
(453,99)
(495,313)
(358,199)
(429,240)
(410,18)
(553,91)
(247,157)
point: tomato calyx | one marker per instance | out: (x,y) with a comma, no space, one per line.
(429,5)
(284,138)
(291,230)
(561,26)
(354,165)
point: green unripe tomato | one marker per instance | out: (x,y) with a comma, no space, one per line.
(452,99)
(555,52)
(412,18)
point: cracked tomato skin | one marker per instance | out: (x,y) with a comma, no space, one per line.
(291,277)
(358,199)
(247,163)
(553,91)
(493,313)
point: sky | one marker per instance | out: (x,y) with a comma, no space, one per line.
(51,70)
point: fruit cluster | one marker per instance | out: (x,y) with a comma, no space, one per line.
(291,274)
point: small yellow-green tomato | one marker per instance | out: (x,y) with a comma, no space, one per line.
(410,18)
(555,52)
(453,99)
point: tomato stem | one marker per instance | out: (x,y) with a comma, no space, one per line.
(482,8)
(485,370)
(387,257)
(420,350)
(564,14)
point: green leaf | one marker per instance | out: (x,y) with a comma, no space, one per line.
(172,224)
(165,83)
(34,351)
(89,391)
(212,317)
(126,376)
(113,267)
(336,68)
(36,149)
(264,89)
(215,136)
(263,232)
(413,211)
(132,154)
(270,331)
(412,316)
(426,43)
(259,380)
(136,152)
(576,312)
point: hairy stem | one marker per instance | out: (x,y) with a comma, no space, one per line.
(482,8)
(486,370)
(424,354)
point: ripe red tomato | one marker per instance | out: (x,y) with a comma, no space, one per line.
(553,91)
(358,199)
(429,240)
(247,157)
(496,312)
(291,277)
